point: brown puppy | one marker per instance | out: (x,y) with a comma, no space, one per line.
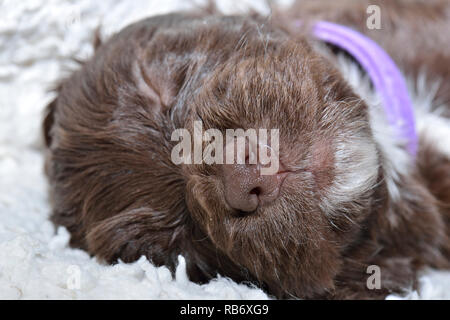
(338,204)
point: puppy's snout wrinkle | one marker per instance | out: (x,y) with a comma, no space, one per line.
(246,189)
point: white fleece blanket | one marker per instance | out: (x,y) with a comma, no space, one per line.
(37,39)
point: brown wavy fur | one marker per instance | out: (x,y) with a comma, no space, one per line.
(115,188)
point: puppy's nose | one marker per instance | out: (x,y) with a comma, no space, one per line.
(246,188)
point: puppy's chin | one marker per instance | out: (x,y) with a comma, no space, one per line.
(286,246)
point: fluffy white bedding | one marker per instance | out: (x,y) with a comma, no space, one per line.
(37,38)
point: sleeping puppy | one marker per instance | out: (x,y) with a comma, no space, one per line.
(345,195)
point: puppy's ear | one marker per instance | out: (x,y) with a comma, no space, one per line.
(160,82)
(130,234)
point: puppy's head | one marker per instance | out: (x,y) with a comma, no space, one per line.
(118,191)
(287,227)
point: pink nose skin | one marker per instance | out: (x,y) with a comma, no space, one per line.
(246,188)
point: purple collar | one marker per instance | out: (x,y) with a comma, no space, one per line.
(386,77)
